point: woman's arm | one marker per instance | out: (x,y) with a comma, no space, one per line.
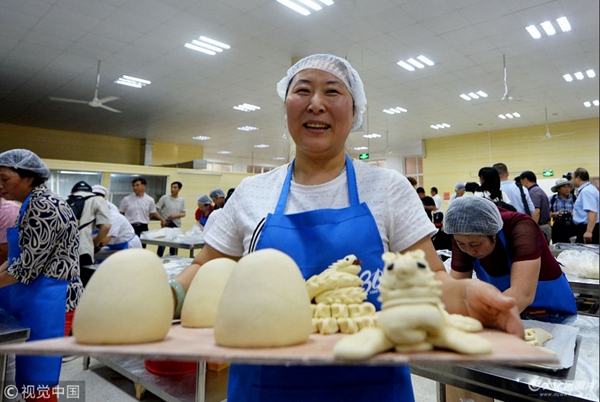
(477,299)
(461,275)
(523,282)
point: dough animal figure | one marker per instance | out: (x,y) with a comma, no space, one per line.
(339,299)
(538,337)
(412,316)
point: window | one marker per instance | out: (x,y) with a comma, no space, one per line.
(219,167)
(62,181)
(413,167)
(259,169)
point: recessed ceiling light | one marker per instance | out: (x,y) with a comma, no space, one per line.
(207,45)
(360,148)
(261,146)
(246,107)
(509,115)
(201,138)
(132,81)
(589,104)
(473,95)
(372,135)
(568,77)
(440,126)
(596,103)
(247,128)
(395,110)
(590,73)
(548,28)
(313,5)
(415,63)
(579,75)
(224,152)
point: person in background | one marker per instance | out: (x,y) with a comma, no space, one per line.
(121,235)
(459,191)
(585,209)
(471,188)
(541,213)
(413,181)
(95,215)
(489,185)
(42,270)
(561,211)
(428,202)
(508,250)
(438,213)
(228,196)
(9,211)
(172,208)
(139,207)
(324,100)
(218,198)
(518,197)
(205,209)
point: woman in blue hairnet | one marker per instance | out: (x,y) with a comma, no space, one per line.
(508,250)
(42,271)
(320,208)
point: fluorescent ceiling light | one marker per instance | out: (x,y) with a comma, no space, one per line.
(503,117)
(587,104)
(548,28)
(246,107)
(247,128)
(516,114)
(440,126)
(509,115)
(445,125)
(568,77)
(143,81)
(311,4)
(360,148)
(591,73)
(78,173)
(129,83)
(563,23)
(533,31)
(596,103)
(294,6)
(482,94)
(579,75)
(261,146)
(199,49)
(473,95)
(224,152)
(434,126)
(465,97)
(214,42)
(201,138)
(207,46)
(425,60)
(415,63)
(395,110)
(327,2)
(372,135)
(279,158)
(406,65)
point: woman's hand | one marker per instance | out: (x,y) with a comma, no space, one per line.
(495,310)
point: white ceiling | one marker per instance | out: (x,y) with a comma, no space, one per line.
(51,48)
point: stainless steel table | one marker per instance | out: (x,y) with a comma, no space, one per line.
(11,331)
(508,383)
(175,244)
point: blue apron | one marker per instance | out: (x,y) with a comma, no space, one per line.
(41,307)
(315,239)
(553,295)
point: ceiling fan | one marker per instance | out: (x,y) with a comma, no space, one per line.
(94,102)
(507,96)
(549,136)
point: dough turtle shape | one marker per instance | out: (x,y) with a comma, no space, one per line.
(412,316)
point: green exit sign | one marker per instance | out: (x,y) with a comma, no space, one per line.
(363,156)
(548,173)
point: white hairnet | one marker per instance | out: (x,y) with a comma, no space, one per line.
(26,160)
(217,193)
(98,189)
(472,216)
(204,199)
(338,67)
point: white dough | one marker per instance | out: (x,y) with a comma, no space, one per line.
(127,300)
(203,296)
(264,304)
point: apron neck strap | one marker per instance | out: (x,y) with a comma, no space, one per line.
(285,190)
(24,207)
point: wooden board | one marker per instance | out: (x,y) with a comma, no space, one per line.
(198,344)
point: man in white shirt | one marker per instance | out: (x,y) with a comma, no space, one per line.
(139,207)
(518,196)
(172,208)
(438,214)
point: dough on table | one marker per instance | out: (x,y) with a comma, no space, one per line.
(537,336)
(264,303)
(127,300)
(203,296)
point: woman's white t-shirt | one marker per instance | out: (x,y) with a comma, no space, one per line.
(396,207)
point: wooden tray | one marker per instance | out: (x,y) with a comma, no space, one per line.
(198,344)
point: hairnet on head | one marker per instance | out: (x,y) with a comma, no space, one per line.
(459,186)
(98,189)
(26,160)
(472,216)
(204,199)
(217,193)
(338,67)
